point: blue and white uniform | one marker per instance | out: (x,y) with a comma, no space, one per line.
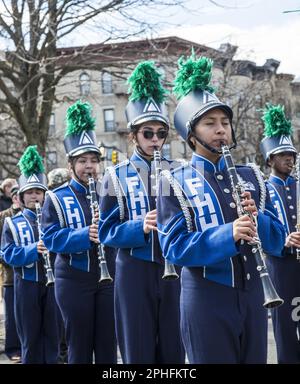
(86,305)
(285,274)
(222,315)
(146,306)
(35,306)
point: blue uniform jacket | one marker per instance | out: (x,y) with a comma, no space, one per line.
(283,198)
(19,246)
(128,193)
(206,240)
(66,218)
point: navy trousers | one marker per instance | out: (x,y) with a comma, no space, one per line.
(147,313)
(35,313)
(220,324)
(12,341)
(88,314)
(285,273)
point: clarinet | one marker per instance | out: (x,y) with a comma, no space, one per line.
(104,273)
(169,271)
(46,257)
(298,200)
(271,298)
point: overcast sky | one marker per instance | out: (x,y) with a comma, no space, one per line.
(259,28)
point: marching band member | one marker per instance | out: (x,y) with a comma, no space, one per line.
(280,155)
(146,306)
(222,314)
(35,306)
(85,303)
(12,342)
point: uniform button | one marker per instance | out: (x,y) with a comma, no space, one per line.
(226,190)
(245,258)
(287,188)
(291,207)
(248,276)
(232,205)
(289,197)
(220,177)
(294,217)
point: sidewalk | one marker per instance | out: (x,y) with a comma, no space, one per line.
(272,357)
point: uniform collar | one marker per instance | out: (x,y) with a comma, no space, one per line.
(78,186)
(202,163)
(277,180)
(137,157)
(29,213)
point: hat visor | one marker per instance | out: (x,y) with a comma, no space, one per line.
(276,151)
(83,149)
(33,185)
(209,107)
(150,117)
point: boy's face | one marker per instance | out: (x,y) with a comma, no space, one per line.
(282,163)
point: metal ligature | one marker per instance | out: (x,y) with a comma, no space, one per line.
(271,298)
(104,273)
(169,271)
(297,177)
(46,256)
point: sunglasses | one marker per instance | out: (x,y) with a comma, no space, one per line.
(150,134)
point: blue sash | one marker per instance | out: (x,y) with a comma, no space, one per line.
(135,191)
(74,218)
(279,206)
(202,198)
(25,236)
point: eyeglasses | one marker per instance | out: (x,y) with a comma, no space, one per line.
(150,134)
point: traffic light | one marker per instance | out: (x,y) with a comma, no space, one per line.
(114,157)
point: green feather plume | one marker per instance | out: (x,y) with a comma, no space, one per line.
(31,162)
(275,121)
(193,74)
(79,118)
(144,83)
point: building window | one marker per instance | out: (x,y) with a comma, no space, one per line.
(106,82)
(52,127)
(84,84)
(52,160)
(166,151)
(109,120)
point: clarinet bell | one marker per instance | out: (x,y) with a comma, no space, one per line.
(271,297)
(50,278)
(104,276)
(169,272)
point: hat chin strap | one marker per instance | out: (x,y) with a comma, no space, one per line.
(141,151)
(211,149)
